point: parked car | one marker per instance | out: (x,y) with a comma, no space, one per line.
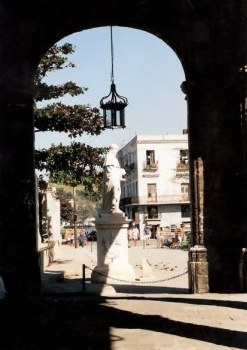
(168,242)
(91,236)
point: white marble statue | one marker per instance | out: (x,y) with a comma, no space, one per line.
(113,175)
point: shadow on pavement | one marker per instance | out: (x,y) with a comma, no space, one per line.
(75,322)
(148,289)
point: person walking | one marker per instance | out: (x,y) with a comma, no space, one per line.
(129,236)
(135,234)
(147,234)
(82,239)
(159,237)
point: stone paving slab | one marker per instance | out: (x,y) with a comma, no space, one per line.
(168,267)
(154,316)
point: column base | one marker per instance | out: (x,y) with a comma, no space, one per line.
(198,270)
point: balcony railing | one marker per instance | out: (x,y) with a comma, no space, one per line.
(182,170)
(158,216)
(150,166)
(165,199)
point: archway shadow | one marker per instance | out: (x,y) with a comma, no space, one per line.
(148,289)
(75,322)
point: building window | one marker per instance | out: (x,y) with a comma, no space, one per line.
(185,188)
(183,164)
(185,211)
(150,157)
(152,193)
(152,212)
(184,156)
(150,164)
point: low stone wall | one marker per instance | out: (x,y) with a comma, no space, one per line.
(46,254)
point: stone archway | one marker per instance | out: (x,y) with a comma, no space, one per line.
(207,39)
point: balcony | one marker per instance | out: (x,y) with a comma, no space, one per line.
(182,170)
(150,167)
(158,216)
(166,199)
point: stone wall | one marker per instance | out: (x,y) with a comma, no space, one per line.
(48,247)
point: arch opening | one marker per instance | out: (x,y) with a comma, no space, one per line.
(149,73)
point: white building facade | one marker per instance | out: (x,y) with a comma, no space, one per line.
(156,191)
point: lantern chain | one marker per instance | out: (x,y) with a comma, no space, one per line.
(112,58)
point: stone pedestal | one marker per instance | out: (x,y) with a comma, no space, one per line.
(112,250)
(198,270)
(243,271)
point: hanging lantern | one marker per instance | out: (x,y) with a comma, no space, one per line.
(113,109)
(113,105)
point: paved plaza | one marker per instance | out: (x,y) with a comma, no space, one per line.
(159,269)
(156,269)
(154,313)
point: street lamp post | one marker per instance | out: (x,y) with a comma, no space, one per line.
(75,217)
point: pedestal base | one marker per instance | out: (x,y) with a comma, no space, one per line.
(198,270)
(100,289)
(113,274)
(112,250)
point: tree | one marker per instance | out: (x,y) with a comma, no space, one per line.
(77,163)
(85,208)
(65,206)
(73,120)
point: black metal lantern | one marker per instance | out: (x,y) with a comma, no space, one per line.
(113,105)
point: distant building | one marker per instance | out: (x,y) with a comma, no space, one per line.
(156,191)
(48,222)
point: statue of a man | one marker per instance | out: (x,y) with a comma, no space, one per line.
(113,175)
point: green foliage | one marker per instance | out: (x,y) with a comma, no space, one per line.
(73,120)
(54,59)
(66,209)
(61,192)
(77,164)
(85,208)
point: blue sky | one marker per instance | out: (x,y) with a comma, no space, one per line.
(146,71)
